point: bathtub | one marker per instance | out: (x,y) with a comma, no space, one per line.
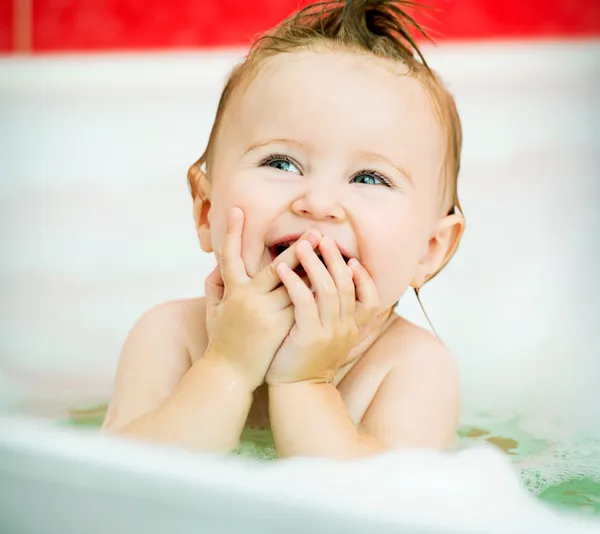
(96,226)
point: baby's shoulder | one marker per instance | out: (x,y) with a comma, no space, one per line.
(410,392)
(405,344)
(406,347)
(182,321)
(404,359)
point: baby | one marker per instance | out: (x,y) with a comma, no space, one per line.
(327,188)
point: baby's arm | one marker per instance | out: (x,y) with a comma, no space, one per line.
(416,404)
(204,406)
(159,395)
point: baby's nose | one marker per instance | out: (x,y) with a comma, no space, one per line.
(320,203)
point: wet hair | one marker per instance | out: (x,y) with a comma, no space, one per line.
(383,28)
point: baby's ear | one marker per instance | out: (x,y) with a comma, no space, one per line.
(201,191)
(442,245)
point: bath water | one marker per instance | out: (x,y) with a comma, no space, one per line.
(565,474)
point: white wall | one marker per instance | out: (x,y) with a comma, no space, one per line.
(96,225)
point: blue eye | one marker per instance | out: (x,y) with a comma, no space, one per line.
(371,178)
(280,162)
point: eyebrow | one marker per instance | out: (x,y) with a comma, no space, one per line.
(281,141)
(379,157)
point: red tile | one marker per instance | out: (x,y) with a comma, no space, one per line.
(160,24)
(6,26)
(143,24)
(485,19)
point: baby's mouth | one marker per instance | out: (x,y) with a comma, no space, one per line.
(278,248)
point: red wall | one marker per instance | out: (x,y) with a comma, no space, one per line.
(93,25)
(6,24)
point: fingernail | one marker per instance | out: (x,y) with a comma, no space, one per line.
(313,236)
(353,262)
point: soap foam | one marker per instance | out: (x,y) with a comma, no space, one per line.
(467,491)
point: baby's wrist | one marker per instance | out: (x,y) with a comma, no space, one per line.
(238,375)
(277,382)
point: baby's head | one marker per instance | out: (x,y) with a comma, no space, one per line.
(334,121)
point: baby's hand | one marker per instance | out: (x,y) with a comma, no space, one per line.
(248,319)
(327,323)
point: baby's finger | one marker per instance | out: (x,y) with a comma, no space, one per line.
(232,265)
(278,299)
(327,298)
(268,279)
(306,312)
(342,277)
(367,296)
(214,288)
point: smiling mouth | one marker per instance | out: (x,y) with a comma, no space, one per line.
(278,248)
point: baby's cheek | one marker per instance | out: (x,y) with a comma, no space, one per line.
(391,284)
(393,274)
(222,203)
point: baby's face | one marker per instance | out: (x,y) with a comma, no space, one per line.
(335,141)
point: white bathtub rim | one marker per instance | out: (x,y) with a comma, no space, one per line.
(280,482)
